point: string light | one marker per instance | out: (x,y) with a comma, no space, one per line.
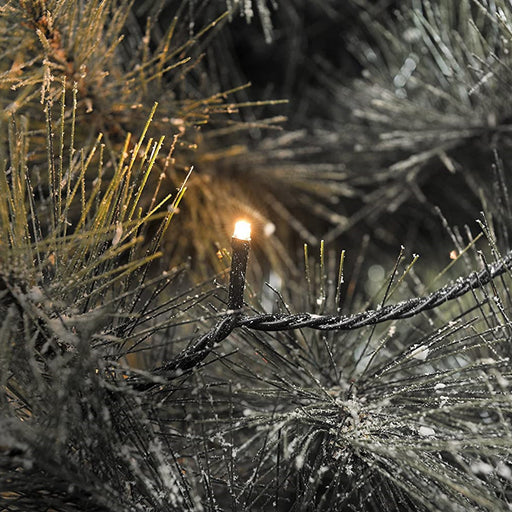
(242,230)
(240,244)
(198,351)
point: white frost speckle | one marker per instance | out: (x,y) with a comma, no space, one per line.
(118,234)
(504,471)
(421,353)
(35,294)
(440,385)
(426,431)
(482,468)
(411,35)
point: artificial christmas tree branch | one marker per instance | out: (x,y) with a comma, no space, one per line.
(388,409)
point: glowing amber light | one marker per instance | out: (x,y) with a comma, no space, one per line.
(242,230)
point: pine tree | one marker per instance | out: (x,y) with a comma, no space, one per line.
(366,379)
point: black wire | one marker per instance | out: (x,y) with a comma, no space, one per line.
(400,310)
(194,354)
(191,356)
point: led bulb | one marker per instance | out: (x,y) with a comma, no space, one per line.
(242,230)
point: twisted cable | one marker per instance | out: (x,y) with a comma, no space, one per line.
(197,352)
(400,310)
(191,356)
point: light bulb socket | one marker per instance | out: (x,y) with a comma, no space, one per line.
(239,257)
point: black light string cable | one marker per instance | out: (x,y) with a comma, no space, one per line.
(240,245)
(195,353)
(398,311)
(198,351)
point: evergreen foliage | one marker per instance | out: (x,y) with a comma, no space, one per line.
(129,145)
